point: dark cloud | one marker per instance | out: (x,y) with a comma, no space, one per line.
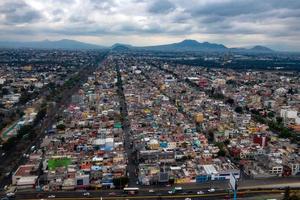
(242,7)
(271,18)
(17,12)
(229,8)
(161,7)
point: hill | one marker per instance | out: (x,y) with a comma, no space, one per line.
(47,44)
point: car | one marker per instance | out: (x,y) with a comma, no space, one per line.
(200,192)
(39,195)
(170,192)
(51,196)
(184,193)
(151,191)
(187,199)
(86,194)
(112,194)
(211,190)
(10,194)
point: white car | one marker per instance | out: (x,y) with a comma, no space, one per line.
(10,194)
(151,191)
(211,190)
(86,194)
(200,192)
(170,192)
(187,199)
(51,196)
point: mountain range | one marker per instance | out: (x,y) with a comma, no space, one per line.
(47,44)
(185,45)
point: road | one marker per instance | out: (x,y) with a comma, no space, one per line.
(219,194)
(131,166)
(268,186)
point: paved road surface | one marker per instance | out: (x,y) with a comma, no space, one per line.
(193,195)
(253,187)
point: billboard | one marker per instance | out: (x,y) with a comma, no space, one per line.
(233,182)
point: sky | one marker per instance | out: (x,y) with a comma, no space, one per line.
(234,23)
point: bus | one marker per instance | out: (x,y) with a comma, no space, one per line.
(131,190)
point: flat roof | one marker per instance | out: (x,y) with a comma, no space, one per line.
(24,170)
(210,169)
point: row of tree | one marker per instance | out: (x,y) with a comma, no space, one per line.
(25,132)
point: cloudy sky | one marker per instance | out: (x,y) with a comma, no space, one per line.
(235,23)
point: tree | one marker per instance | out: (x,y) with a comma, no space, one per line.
(230,101)
(61,126)
(286,193)
(271,114)
(24,98)
(221,153)
(5,91)
(120,182)
(227,142)
(40,115)
(9,144)
(26,129)
(279,120)
(231,82)
(239,109)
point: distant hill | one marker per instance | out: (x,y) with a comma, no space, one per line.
(188,45)
(121,44)
(259,48)
(47,44)
(121,47)
(185,45)
(194,45)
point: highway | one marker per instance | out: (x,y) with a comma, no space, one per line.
(98,195)
(246,188)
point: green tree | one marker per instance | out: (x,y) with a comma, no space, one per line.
(10,143)
(5,91)
(279,120)
(221,153)
(40,115)
(61,126)
(287,193)
(271,114)
(239,109)
(120,182)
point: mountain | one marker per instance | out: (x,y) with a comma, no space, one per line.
(121,47)
(47,44)
(121,44)
(261,49)
(188,45)
(185,45)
